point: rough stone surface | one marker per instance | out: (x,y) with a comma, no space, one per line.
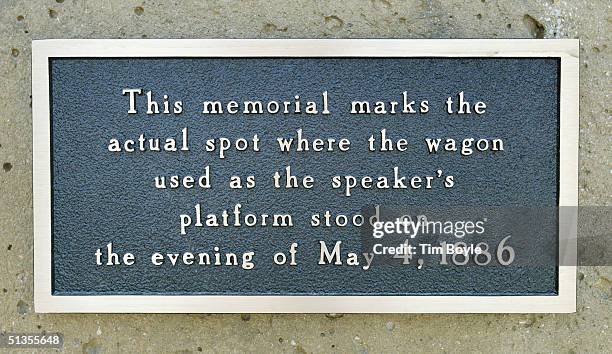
(21,21)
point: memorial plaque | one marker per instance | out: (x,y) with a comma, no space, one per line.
(305,175)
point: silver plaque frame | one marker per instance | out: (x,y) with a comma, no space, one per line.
(565,49)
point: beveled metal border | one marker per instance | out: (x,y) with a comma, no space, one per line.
(565,49)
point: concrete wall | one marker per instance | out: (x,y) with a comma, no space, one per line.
(21,21)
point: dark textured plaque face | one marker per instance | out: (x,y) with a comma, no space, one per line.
(100,197)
